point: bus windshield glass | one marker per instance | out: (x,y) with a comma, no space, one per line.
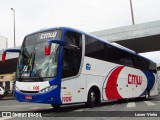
(32,62)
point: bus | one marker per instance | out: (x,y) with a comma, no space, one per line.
(62,65)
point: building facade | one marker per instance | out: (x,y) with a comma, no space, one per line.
(6,81)
(7,73)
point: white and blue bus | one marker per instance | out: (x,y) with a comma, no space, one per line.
(62,65)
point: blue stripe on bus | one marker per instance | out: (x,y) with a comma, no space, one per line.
(57,81)
(150,79)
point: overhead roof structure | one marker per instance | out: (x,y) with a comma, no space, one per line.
(141,38)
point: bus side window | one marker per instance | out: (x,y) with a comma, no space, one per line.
(72,54)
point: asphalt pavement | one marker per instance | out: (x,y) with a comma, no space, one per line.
(132,109)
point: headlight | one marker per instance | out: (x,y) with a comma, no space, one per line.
(48,89)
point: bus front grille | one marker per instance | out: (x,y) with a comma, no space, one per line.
(31,92)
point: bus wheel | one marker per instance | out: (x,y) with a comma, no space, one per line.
(147,94)
(56,107)
(93,98)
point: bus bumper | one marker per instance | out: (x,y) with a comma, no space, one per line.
(50,97)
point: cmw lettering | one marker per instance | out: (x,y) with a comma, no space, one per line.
(134,79)
(48,35)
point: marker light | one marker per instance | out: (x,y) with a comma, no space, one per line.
(3,57)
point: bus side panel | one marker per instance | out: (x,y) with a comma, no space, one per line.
(96,81)
(131,83)
(73,90)
(96,72)
(116,81)
(124,82)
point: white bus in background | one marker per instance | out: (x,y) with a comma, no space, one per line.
(158,73)
(62,65)
(2,91)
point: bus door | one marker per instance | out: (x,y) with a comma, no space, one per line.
(73,85)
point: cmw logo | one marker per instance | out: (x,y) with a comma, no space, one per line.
(48,35)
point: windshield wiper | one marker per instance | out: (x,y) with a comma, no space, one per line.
(32,62)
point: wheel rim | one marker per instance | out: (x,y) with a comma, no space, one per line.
(93,97)
(147,96)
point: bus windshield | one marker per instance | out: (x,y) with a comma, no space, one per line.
(32,62)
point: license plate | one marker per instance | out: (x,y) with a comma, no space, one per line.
(28,97)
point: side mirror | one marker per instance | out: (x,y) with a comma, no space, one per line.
(9,50)
(3,57)
(47,49)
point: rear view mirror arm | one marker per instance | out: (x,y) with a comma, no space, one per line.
(12,50)
(60,42)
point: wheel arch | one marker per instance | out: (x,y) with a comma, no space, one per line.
(96,88)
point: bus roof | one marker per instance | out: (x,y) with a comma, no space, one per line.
(105,41)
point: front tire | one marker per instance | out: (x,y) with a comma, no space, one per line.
(56,107)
